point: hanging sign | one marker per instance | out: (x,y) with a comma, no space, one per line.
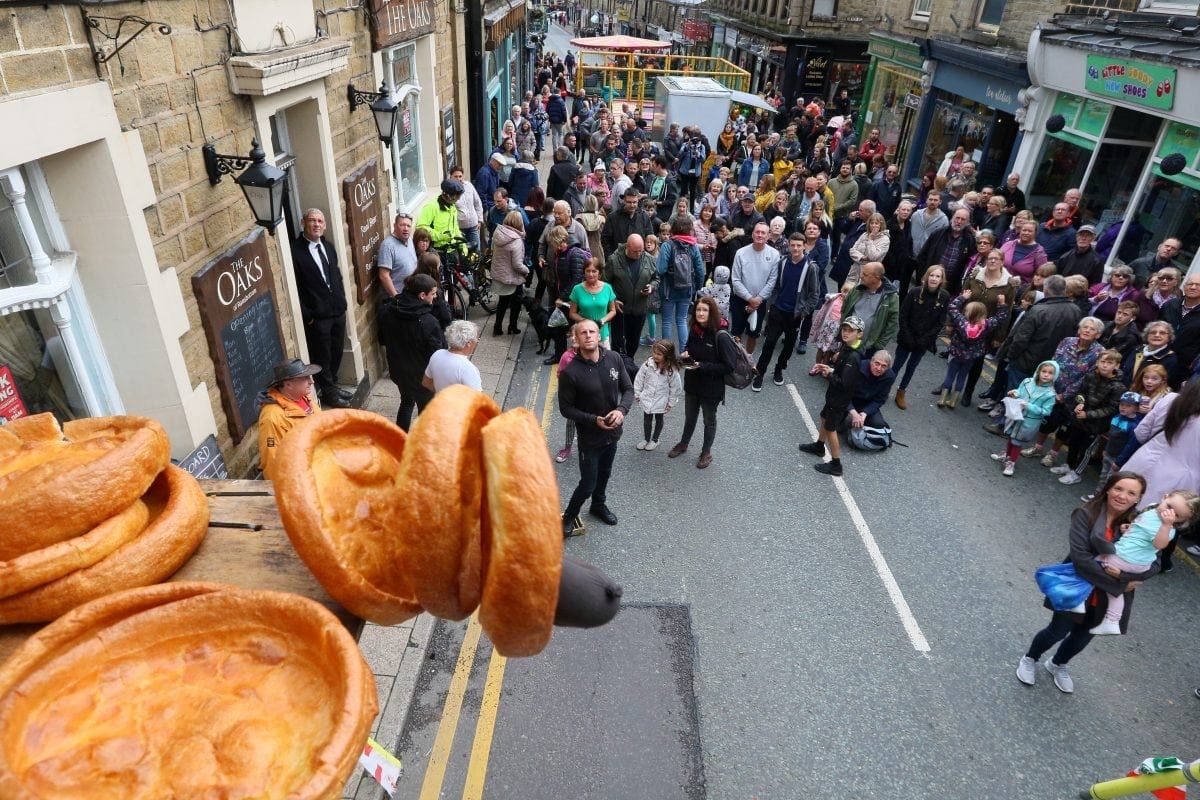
(1136,82)
(11,405)
(364,218)
(813,74)
(396,21)
(236,296)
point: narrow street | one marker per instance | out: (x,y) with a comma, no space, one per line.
(809,678)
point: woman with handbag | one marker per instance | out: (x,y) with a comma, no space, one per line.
(1104,519)
(707,361)
(508,270)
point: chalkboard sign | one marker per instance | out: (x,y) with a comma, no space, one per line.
(236,295)
(206,461)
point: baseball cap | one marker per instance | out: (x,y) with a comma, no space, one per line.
(854,322)
(1087,229)
(1131,397)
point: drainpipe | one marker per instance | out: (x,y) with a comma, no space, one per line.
(476,99)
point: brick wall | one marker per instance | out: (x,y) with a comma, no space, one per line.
(174,92)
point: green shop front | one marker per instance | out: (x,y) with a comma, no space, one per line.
(892,92)
(1117,126)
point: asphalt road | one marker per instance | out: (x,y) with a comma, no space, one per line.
(807,681)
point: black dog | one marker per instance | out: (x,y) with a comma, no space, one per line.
(539,318)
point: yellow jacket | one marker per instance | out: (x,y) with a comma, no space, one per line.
(278,416)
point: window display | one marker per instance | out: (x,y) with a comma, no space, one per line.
(407,169)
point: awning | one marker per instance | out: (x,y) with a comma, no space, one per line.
(501,21)
(619,43)
(747,99)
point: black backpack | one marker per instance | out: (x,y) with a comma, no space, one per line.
(681,266)
(743,367)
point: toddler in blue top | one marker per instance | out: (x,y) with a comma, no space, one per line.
(1138,547)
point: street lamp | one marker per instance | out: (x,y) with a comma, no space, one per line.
(262,183)
(383,107)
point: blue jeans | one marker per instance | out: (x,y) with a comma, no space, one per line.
(472,237)
(674,313)
(957,370)
(1062,628)
(1015,376)
(912,357)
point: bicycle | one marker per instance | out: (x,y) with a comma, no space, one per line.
(469,273)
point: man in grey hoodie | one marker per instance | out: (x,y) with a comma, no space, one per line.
(755,270)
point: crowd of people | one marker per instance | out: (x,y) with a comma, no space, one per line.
(787,226)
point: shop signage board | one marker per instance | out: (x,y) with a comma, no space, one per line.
(397,21)
(11,405)
(1135,82)
(912,101)
(731,37)
(450,145)
(697,30)
(814,73)
(364,218)
(236,296)
(206,461)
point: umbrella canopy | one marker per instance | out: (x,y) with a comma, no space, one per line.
(620,43)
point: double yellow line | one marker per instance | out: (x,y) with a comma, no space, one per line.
(481,747)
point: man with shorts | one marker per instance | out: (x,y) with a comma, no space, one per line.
(843,376)
(755,269)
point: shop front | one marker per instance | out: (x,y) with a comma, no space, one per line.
(972,105)
(823,68)
(892,92)
(503,37)
(1117,127)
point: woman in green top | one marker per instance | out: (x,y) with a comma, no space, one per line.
(594,299)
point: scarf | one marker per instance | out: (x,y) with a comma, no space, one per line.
(726,139)
(686,238)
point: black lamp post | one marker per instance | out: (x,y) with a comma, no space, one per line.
(383,107)
(262,183)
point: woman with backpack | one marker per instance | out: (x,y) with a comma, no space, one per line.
(681,274)
(710,356)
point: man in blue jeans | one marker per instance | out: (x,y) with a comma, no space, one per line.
(594,391)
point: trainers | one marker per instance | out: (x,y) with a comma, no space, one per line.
(1009,468)
(986,405)
(756,384)
(1070,479)
(562,455)
(646,341)
(802,347)
(650,445)
(1062,678)
(999,456)
(1109,627)
(1087,498)
(1033,451)
(1027,671)
(1061,469)
(1049,459)
(777,378)
(642,444)
(1192,550)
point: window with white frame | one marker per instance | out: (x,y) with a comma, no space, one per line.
(991,12)
(922,9)
(403,83)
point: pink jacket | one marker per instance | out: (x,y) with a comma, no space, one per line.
(1028,265)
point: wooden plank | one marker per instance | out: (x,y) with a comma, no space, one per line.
(245,546)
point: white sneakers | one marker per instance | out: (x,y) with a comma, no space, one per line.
(1009,468)
(1070,478)
(642,444)
(1027,674)
(1109,627)
(650,445)
(1061,469)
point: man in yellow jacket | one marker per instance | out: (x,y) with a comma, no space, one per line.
(289,399)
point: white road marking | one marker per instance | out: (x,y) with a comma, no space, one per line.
(919,643)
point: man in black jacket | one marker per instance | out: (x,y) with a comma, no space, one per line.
(1183,313)
(322,305)
(1035,336)
(1083,259)
(951,247)
(886,192)
(594,391)
(663,188)
(411,334)
(629,220)
(562,173)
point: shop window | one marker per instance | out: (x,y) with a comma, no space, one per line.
(1133,125)
(824,8)
(1171,207)
(922,9)
(1061,166)
(50,355)
(991,12)
(407,168)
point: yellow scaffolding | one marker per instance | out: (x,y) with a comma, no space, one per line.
(626,76)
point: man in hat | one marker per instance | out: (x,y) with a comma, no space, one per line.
(289,399)
(440,215)
(1083,259)
(322,304)
(843,376)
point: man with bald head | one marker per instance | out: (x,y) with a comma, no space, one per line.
(631,272)
(876,301)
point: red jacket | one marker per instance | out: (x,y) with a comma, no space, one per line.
(868,149)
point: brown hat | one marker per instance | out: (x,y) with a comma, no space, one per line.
(295,368)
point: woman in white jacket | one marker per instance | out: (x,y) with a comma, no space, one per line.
(658,387)
(871,246)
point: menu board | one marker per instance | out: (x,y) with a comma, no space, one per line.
(236,295)
(364,218)
(206,461)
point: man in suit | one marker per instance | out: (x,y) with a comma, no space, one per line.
(322,304)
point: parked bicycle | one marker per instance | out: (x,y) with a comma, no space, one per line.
(466,278)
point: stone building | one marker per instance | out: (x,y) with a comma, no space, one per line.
(129,282)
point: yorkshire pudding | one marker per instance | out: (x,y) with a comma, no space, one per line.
(438,519)
(59,491)
(522,542)
(337,486)
(178,520)
(185,690)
